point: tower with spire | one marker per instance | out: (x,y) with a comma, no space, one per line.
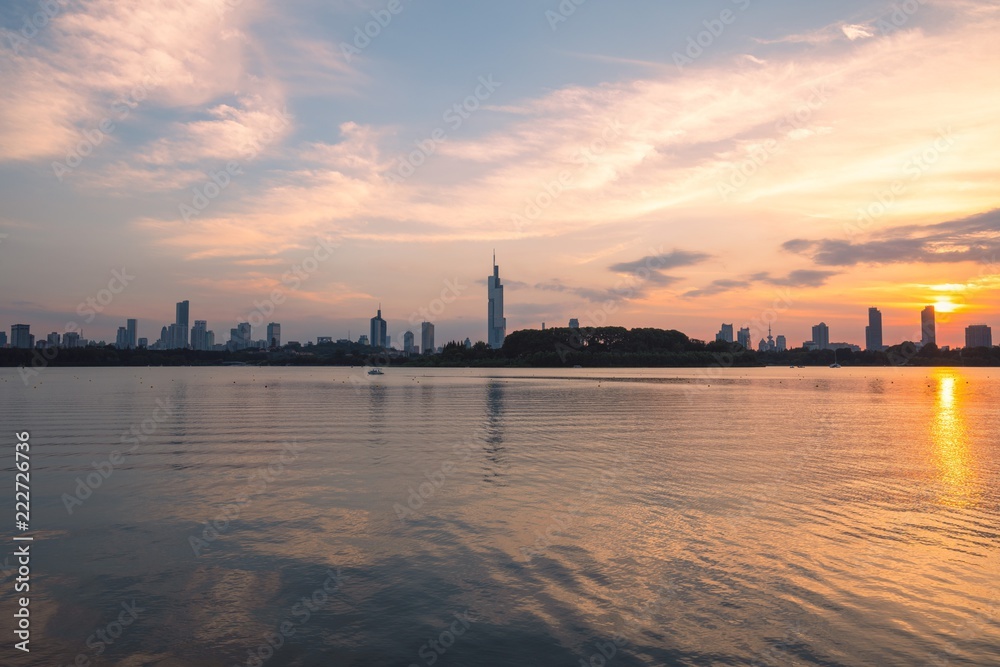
(496,324)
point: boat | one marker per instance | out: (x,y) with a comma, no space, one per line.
(376,371)
(835,364)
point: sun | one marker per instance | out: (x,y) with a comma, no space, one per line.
(945,305)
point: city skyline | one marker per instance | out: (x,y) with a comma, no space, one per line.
(802,174)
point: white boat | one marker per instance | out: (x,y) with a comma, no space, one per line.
(376,371)
(835,364)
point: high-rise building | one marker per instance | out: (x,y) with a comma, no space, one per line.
(363,340)
(20,336)
(427,337)
(181,332)
(574,323)
(3,339)
(873,332)
(53,339)
(71,339)
(121,338)
(199,335)
(725,334)
(378,330)
(496,324)
(743,338)
(408,342)
(928,327)
(781,344)
(132,333)
(978,335)
(273,335)
(821,336)
(142,342)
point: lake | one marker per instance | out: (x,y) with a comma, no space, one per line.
(320,516)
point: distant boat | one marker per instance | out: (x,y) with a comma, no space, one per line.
(376,371)
(835,364)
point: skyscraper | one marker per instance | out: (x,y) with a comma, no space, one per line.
(408,342)
(781,343)
(928,327)
(121,338)
(496,324)
(183,310)
(743,338)
(3,339)
(725,334)
(978,335)
(53,339)
(274,335)
(873,332)
(821,336)
(427,337)
(131,333)
(378,330)
(574,323)
(20,336)
(71,339)
(199,335)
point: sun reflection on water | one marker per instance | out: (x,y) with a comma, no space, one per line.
(954,460)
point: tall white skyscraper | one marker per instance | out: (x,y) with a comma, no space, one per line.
(496,323)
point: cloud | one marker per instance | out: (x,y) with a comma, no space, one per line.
(968,240)
(798,278)
(853,32)
(662,262)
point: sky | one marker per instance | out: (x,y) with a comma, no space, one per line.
(633,163)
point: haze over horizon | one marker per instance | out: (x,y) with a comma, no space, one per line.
(592,150)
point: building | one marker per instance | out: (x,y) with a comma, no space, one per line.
(121,338)
(71,339)
(274,335)
(363,340)
(427,337)
(3,339)
(574,323)
(468,343)
(781,344)
(725,334)
(20,336)
(378,330)
(978,335)
(928,327)
(142,342)
(53,339)
(132,333)
(181,332)
(199,336)
(873,332)
(821,336)
(743,338)
(496,324)
(408,342)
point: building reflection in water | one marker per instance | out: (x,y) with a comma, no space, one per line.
(497,460)
(952,456)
